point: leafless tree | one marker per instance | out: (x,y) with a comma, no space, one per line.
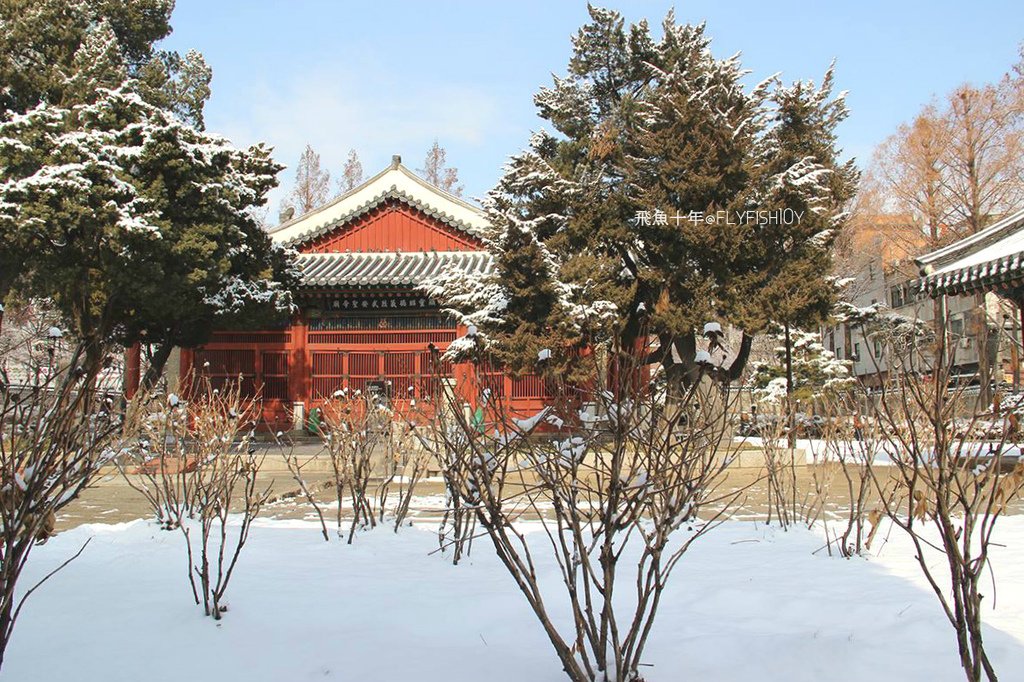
(619,500)
(55,435)
(351,173)
(312,183)
(198,466)
(956,168)
(905,178)
(436,171)
(950,488)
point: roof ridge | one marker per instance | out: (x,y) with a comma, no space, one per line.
(393,192)
(977,241)
(387,268)
(399,167)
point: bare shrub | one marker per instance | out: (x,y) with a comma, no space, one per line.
(376,455)
(951,487)
(197,465)
(296,466)
(445,443)
(409,459)
(850,446)
(780,472)
(631,486)
(55,436)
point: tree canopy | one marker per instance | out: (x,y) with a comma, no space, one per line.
(654,202)
(114,202)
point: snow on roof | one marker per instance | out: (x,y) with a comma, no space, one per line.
(981,262)
(374,269)
(394,182)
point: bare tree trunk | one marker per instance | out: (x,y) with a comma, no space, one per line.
(156,365)
(791,415)
(5,289)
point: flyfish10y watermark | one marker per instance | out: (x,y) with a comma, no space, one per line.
(782,216)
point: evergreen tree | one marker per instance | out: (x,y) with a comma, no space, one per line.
(635,194)
(112,203)
(800,173)
(40,40)
(140,226)
(815,371)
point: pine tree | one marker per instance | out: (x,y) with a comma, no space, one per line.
(815,371)
(351,173)
(436,171)
(141,225)
(655,148)
(312,183)
(800,172)
(179,84)
(135,223)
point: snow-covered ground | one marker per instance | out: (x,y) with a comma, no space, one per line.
(820,450)
(748,602)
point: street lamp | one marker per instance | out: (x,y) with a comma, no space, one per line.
(53,337)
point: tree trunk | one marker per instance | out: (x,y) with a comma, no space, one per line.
(156,365)
(4,290)
(132,368)
(789,389)
(739,363)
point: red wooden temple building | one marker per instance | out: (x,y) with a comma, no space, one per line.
(363,322)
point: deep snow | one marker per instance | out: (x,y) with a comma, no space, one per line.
(748,602)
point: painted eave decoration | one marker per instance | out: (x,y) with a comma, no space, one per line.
(990,260)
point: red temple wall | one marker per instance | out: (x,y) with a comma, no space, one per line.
(301,366)
(307,365)
(393,228)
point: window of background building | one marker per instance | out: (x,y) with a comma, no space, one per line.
(896,296)
(956,327)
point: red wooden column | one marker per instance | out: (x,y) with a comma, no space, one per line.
(185,369)
(298,368)
(132,370)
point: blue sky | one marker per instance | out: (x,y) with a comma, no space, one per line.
(386,77)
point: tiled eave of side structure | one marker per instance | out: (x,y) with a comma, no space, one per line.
(354,270)
(991,260)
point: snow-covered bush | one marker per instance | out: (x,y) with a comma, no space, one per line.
(816,371)
(196,464)
(365,440)
(640,478)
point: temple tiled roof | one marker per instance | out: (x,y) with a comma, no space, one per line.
(386,269)
(395,183)
(990,260)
